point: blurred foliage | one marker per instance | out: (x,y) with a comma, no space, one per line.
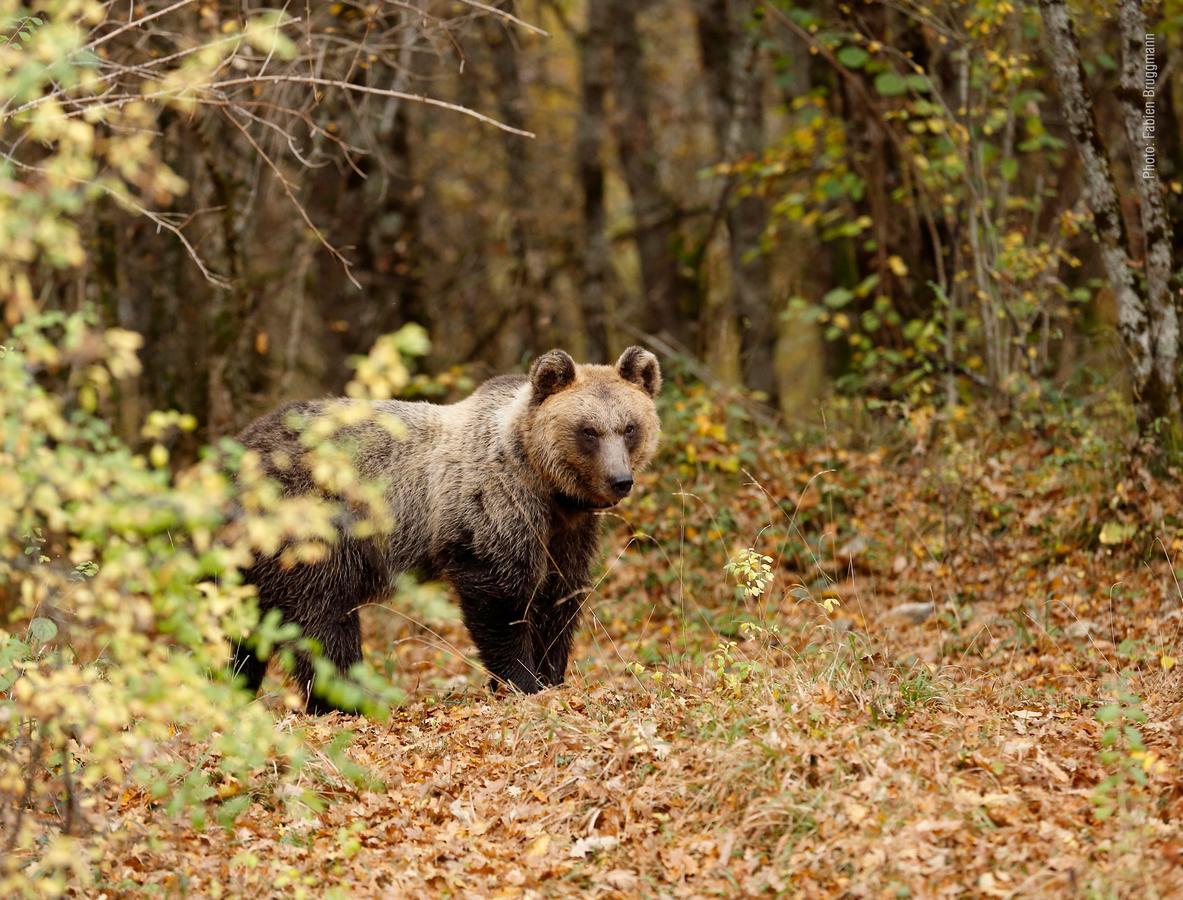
(89,147)
(976,168)
(120,585)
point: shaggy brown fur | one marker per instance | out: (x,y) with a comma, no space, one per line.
(495,494)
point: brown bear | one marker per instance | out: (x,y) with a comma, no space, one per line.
(496,494)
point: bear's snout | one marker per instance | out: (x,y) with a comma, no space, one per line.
(622,484)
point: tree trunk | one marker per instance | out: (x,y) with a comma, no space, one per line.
(511,105)
(1153,400)
(1156,235)
(594,63)
(236,371)
(670,295)
(730,64)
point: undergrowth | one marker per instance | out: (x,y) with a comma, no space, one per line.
(794,649)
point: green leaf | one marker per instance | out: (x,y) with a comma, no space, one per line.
(1108,713)
(231,809)
(1134,737)
(43,630)
(1113,533)
(837,298)
(853,57)
(86,59)
(889,84)
(867,285)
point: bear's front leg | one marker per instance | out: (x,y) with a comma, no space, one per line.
(495,598)
(340,643)
(502,636)
(553,629)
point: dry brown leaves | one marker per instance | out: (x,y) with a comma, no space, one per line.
(955,751)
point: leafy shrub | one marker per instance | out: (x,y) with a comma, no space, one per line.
(120,597)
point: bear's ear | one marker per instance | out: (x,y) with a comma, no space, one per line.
(640,367)
(551,372)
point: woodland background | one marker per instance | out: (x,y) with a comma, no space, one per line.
(897,610)
(873,194)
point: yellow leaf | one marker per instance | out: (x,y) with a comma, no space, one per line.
(538,846)
(158,456)
(1167,662)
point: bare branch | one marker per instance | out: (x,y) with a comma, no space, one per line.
(381,92)
(337,255)
(130,24)
(509,17)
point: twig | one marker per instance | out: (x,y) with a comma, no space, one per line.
(136,23)
(509,17)
(216,280)
(381,92)
(287,188)
(158,218)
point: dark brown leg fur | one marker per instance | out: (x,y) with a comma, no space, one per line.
(553,628)
(495,612)
(502,637)
(323,599)
(340,644)
(248,667)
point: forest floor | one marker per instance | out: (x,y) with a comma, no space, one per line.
(961,680)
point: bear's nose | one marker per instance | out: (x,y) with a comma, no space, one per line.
(622,484)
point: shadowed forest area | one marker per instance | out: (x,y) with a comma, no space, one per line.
(894,611)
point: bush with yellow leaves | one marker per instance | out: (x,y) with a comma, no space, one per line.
(119,600)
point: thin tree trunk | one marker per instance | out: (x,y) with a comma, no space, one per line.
(1133,321)
(511,106)
(748,217)
(670,296)
(730,64)
(235,370)
(1156,235)
(594,62)
(714,46)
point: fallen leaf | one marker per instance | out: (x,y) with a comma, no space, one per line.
(592,844)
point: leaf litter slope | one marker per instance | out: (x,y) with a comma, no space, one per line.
(961,680)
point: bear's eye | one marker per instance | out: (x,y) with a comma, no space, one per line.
(589,433)
(630,430)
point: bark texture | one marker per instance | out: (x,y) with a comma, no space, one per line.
(1146,330)
(1162,306)
(594,63)
(728,43)
(671,295)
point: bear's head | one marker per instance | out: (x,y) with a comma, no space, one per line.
(590,428)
